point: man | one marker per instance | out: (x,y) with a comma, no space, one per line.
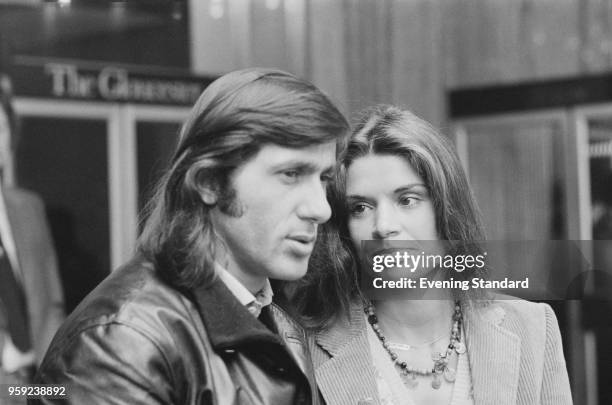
(189,320)
(31,301)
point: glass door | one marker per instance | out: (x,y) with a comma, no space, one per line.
(94,165)
(64,156)
(522,169)
(593,128)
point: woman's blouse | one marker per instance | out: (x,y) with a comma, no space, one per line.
(391,388)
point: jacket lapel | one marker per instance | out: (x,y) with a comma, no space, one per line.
(346,376)
(494,355)
(294,339)
(228,323)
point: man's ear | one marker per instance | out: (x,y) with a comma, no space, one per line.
(206,187)
(208,194)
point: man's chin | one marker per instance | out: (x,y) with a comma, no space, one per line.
(289,272)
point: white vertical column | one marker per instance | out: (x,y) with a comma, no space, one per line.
(122,184)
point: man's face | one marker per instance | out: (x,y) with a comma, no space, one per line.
(279,200)
(5,140)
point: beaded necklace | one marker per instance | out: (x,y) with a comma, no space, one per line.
(440,360)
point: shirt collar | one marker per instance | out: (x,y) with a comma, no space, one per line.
(6,235)
(242,294)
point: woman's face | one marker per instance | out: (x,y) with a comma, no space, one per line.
(388,201)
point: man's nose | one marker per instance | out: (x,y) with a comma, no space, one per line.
(314,206)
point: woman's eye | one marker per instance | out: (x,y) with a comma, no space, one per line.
(408,200)
(358,209)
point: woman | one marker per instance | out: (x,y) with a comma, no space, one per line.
(400,180)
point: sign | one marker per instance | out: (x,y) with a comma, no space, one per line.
(37,77)
(529,96)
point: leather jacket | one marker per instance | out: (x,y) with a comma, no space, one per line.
(137,340)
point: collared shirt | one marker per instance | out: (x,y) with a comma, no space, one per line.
(254,303)
(11,358)
(6,236)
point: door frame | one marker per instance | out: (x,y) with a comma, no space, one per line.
(121,121)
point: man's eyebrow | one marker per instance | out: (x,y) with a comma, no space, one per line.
(307,167)
(354,197)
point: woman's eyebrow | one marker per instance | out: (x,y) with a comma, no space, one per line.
(357,197)
(409,187)
(399,190)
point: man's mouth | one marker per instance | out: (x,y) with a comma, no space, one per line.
(305,238)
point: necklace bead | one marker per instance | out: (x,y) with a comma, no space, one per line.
(440,361)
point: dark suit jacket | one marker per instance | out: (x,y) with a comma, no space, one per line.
(38,263)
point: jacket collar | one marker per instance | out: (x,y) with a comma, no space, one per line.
(294,340)
(337,338)
(228,323)
(493,352)
(350,362)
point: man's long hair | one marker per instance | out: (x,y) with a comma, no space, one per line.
(231,121)
(332,279)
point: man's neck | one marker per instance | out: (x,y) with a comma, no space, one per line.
(253,283)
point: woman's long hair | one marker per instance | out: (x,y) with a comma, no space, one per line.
(333,276)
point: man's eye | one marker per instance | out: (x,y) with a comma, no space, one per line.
(290,175)
(327,178)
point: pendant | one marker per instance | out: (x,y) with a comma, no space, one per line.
(459,348)
(436,383)
(410,380)
(450,374)
(399,346)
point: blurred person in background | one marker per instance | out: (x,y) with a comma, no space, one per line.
(190,320)
(31,300)
(400,180)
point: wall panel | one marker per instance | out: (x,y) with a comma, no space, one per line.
(213,47)
(267,34)
(551,39)
(408,52)
(417,57)
(326,65)
(368,52)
